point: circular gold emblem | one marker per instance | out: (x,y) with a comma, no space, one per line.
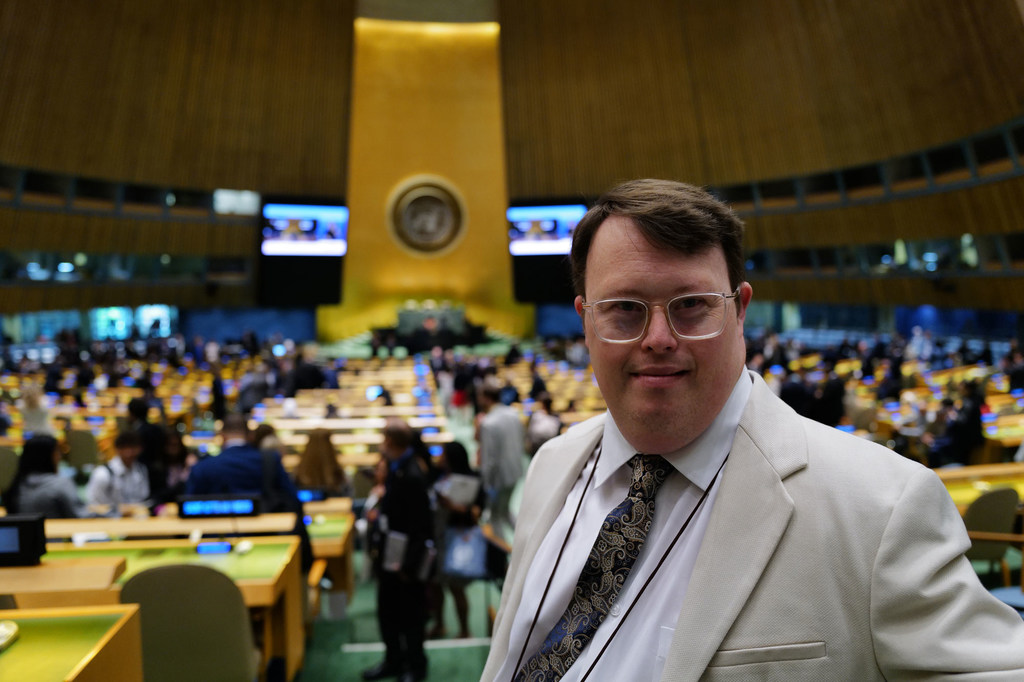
(426,217)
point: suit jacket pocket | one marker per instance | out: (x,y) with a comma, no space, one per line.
(767,654)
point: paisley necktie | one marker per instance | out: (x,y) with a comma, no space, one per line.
(615,550)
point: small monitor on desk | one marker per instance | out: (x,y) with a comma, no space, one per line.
(312,494)
(22,539)
(208,506)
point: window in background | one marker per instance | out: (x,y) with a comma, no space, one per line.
(110,323)
(236,202)
(156,320)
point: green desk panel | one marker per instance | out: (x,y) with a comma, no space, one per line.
(965,492)
(263,562)
(329,527)
(50,648)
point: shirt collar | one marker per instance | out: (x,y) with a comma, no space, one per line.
(697,461)
(117,465)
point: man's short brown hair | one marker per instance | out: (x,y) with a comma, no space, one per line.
(399,433)
(235,424)
(672,215)
(127,439)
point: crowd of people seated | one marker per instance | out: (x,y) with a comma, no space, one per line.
(946,433)
(152,466)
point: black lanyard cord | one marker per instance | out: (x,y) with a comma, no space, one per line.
(657,567)
(551,576)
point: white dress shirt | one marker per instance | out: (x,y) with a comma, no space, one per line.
(637,651)
(114,483)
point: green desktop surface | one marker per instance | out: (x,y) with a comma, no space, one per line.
(262,562)
(51,648)
(331,526)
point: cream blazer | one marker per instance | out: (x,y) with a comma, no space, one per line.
(826,558)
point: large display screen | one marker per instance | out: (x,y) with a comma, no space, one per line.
(304,230)
(542,230)
(302,245)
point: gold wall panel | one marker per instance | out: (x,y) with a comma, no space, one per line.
(426,102)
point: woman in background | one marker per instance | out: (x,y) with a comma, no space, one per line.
(451,514)
(37,488)
(35,415)
(319,468)
(178,461)
(264,437)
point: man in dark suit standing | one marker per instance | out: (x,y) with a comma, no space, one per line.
(401,547)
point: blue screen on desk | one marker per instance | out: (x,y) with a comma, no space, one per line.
(242,507)
(9,543)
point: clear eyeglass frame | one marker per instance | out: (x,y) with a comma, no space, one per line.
(647,306)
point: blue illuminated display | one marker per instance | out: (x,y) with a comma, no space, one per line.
(241,507)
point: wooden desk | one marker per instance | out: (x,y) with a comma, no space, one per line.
(169,526)
(305,425)
(72,575)
(966,484)
(268,577)
(293,443)
(330,532)
(333,538)
(84,644)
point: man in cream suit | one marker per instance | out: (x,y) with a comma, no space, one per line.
(777,548)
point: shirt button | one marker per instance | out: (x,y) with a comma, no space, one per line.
(615,611)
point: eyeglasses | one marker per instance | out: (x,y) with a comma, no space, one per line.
(690,316)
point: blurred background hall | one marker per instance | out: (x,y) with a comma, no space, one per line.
(326,213)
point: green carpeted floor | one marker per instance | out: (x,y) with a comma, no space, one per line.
(341,648)
(343,645)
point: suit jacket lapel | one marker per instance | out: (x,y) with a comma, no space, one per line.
(750,516)
(549,485)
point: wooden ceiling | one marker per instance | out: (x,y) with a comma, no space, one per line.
(255,95)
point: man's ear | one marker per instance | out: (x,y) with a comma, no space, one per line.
(743,300)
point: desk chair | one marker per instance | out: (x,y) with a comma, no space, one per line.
(992,512)
(83,450)
(8,466)
(195,625)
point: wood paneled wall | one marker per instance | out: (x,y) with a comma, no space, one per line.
(190,93)
(255,95)
(732,91)
(994,208)
(84,296)
(977,293)
(26,229)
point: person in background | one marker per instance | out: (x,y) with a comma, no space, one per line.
(154,443)
(243,469)
(456,515)
(179,460)
(264,437)
(502,437)
(122,480)
(319,467)
(543,424)
(400,544)
(218,401)
(5,417)
(37,488)
(35,415)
